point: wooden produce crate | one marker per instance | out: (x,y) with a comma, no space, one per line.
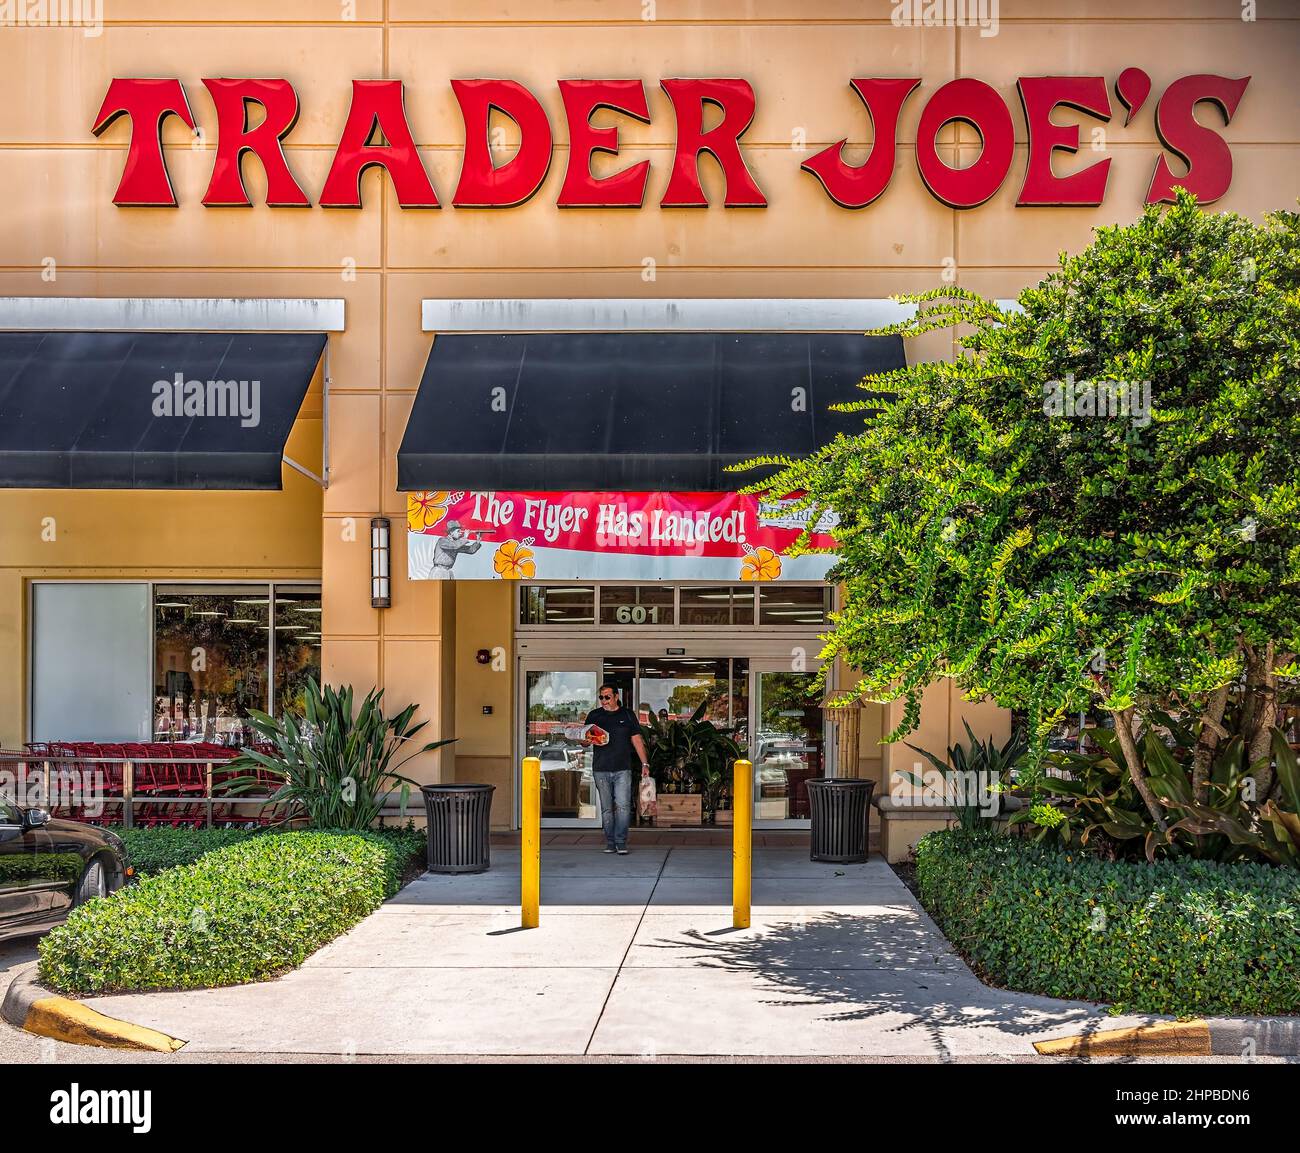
(724,816)
(677,809)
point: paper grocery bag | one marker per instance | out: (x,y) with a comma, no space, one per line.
(648,805)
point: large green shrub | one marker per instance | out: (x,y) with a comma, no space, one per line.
(246,912)
(1177,936)
(1005,523)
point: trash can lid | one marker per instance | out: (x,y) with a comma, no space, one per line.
(457,788)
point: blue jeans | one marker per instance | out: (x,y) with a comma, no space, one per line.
(615,791)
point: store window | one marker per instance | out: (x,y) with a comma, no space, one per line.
(673,688)
(636,605)
(90,661)
(794,604)
(666,605)
(718,605)
(558,604)
(211,653)
(297,645)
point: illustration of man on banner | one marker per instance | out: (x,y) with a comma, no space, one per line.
(448,548)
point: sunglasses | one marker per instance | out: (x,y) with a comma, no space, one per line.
(606,696)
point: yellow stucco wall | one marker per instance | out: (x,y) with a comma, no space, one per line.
(798,54)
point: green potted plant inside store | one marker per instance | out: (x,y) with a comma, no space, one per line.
(690,758)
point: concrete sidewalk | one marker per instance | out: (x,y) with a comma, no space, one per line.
(635,956)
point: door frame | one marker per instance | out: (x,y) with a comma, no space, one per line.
(586,652)
(542,664)
(756,669)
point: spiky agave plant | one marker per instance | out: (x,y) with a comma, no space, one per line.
(337,763)
(975,774)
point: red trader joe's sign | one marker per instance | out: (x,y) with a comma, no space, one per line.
(378,110)
(722,536)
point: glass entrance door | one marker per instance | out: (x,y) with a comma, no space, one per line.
(787,743)
(557,695)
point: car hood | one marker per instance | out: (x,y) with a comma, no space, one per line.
(76,833)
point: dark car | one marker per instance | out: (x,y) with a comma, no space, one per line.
(48,866)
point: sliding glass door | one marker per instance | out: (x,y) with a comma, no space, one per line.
(556,695)
(787,743)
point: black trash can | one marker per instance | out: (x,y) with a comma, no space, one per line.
(459,819)
(841,811)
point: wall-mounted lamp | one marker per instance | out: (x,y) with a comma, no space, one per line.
(380,594)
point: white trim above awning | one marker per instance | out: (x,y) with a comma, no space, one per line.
(632,314)
(171,314)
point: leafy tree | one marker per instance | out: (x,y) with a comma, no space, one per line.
(997,529)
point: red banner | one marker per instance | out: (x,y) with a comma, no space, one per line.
(720,536)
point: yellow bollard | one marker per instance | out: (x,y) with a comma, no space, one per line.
(530,863)
(742,840)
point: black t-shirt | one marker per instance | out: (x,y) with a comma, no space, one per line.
(621,725)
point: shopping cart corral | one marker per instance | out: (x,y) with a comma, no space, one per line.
(190,784)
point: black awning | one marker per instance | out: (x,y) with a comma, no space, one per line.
(104,410)
(629,411)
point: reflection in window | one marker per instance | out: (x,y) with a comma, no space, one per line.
(558,604)
(717,605)
(210,661)
(671,689)
(793,604)
(297,645)
(212,646)
(557,703)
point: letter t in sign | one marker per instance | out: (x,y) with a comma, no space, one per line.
(148,102)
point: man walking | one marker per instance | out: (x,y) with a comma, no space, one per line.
(611,765)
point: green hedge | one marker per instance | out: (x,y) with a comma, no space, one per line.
(245,912)
(1178,937)
(152,850)
(404,852)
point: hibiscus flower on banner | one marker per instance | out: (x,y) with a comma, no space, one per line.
(716,536)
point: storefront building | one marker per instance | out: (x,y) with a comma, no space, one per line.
(482,303)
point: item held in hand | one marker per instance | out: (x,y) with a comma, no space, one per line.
(597,736)
(648,800)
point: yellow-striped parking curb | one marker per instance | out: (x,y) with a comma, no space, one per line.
(1161,1039)
(1244,1037)
(37,1010)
